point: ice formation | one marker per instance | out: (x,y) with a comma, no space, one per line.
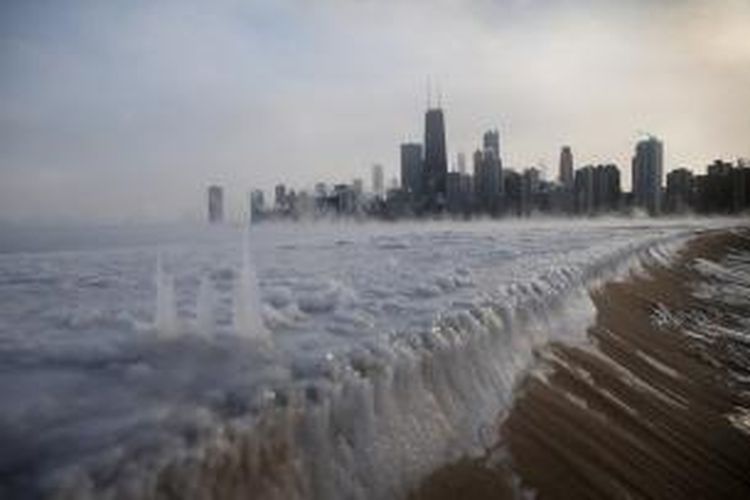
(395,348)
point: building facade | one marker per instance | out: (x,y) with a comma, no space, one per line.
(435,160)
(491,141)
(488,184)
(566,167)
(680,188)
(378,181)
(411,169)
(647,175)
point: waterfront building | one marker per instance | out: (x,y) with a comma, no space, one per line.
(566,168)
(257,205)
(680,187)
(487,181)
(491,141)
(647,171)
(411,169)
(461,163)
(378,181)
(435,159)
(280,201)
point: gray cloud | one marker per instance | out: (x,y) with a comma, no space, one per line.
(123,112)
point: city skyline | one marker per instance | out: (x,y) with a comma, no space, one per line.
(114,113)
(427,189)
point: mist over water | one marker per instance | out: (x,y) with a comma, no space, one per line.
(290,361)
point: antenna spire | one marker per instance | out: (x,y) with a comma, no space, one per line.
(429,93)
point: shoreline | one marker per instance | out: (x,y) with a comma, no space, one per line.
(642,410)
(373,424)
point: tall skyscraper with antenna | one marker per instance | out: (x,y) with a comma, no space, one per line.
(435,159)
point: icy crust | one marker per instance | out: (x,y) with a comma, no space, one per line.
(724,288)
(384,417)
(726,283)
(208,414)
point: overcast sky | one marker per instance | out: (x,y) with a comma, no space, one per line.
(125,111)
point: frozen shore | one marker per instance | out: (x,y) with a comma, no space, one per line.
(655,404)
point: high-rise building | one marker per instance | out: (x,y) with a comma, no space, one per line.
(530,183)
(740,186)
(343,199)
(411,169)
(461,162)
(512,187)
(583,187)
(378,182)
(488,183)
(721,190)
(607,191)
(358,187)
(478,175)
(467,190)
(280,200)
(597,189)
(454,194)
(215,204)
(257,205)
(491,141)
(488,174)
(647,174)
(679,195)
(435,159)
(566,167)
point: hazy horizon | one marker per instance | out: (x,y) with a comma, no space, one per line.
(127,112)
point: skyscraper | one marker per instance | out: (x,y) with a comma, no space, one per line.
(411,169)
(488,185)
(530,181)
(435,159)
(584,190)
(358,187)
(280,200)
(461,163)
(454,196)
(606,188)
(378,182)
(679,195)
(566,167)
(647,174)
(488,174)
(491,141)
(257,205)
(215,204)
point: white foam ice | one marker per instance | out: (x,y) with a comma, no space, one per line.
(204,305)
(165,321)
(395,347)
(248,320)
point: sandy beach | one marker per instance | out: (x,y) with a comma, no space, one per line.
(654,405)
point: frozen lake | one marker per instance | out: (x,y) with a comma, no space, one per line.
(130,359)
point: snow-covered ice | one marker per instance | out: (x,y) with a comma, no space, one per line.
(329,360)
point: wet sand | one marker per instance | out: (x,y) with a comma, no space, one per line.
(641,411)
